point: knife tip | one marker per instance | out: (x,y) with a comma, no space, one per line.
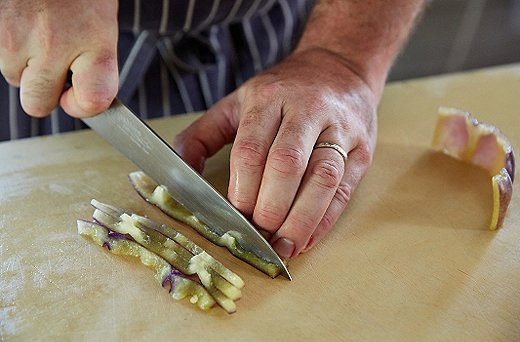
(285,272)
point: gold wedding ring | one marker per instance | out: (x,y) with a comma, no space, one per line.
(335,147)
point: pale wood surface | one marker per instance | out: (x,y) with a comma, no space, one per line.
(411,258)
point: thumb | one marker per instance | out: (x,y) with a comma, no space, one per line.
(94,84)
(209,133)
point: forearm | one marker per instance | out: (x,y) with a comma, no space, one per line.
(366,34)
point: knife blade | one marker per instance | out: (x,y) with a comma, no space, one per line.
(147,150)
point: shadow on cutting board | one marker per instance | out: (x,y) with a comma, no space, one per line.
(428,188)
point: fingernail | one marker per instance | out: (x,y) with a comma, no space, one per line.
(284,247)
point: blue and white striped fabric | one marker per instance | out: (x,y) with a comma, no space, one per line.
(178,56)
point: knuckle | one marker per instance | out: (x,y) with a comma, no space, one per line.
(364,154)
(343,124)
(37,96)
(304,224)
(262,91)
(11,39)
(252,116)
(250,153)
(268,91)
(265,89)
(327,173)
(243,203)
(96,92)
(49,40)
(288,161)
(343,194)
(9,43)
(12,77)
(104,60)
(327,222)
(269,217)
(95,101)
(106,56)
(318,103)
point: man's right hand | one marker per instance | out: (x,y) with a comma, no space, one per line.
(40,41)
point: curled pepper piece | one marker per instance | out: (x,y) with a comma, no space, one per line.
(460,135)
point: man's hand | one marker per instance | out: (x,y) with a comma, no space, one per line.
(40,41)
(326,91)
(290,190)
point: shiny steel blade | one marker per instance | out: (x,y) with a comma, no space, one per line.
(139,143)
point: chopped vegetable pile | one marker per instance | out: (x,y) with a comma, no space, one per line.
(177,261)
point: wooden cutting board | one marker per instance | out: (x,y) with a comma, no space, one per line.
(410,259)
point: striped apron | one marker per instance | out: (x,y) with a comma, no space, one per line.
(178,56)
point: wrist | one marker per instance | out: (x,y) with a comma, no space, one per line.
(341,72)
(366,35)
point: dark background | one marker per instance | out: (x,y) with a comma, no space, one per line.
(456,35)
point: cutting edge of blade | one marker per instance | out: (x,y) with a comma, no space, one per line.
(265,244)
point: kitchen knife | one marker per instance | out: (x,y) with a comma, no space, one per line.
(139,143)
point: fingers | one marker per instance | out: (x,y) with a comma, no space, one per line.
(206,135)
(286,164)
(40,43)
(337,206)
(294,193)
(42,80)
(357,164)
(94,84)
(41,85)
(13,72)
(260,119)
(317,191)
